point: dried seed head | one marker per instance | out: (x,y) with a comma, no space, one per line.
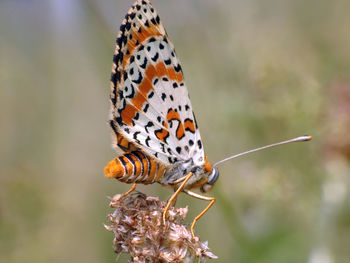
(138,230)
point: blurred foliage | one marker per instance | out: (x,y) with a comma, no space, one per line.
(257,72)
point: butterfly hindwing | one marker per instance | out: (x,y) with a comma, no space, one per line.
(150,103)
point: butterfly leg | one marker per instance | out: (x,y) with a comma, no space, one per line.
(173,197)
(201,197)
(175,183)
(129,191)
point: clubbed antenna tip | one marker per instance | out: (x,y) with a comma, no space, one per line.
(139,231)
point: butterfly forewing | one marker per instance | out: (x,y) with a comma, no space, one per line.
(150,104)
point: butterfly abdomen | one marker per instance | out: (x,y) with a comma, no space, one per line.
(135,167)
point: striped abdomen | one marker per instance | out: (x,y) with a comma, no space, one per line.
(135,167)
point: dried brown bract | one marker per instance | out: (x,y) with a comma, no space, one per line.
(138,229)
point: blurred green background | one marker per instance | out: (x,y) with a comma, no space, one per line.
(257,72)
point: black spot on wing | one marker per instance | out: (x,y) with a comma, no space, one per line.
(123,40)
(144,64)
(148,125)
(128,26)
(167,62)
(155,58)
(178,149)
(131,92)
(178,68)
(150,95)
(163,96)
(139,79)
(147,141)
(145,109)
(163,147)
(135,137)
(199,144)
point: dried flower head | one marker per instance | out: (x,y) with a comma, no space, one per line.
(139,231)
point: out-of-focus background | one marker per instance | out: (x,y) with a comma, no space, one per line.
(257,72)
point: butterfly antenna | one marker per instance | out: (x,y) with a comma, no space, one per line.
(304,138)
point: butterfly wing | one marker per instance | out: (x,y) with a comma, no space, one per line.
(150,106)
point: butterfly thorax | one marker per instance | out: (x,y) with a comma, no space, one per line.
(204,175)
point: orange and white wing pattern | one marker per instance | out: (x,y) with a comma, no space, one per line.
(150,107)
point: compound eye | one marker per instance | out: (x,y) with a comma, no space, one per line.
(213,177)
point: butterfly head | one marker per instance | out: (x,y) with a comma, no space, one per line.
(210,174)
(204,178)
(213,176)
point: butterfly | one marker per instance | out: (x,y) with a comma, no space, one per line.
(151,114)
